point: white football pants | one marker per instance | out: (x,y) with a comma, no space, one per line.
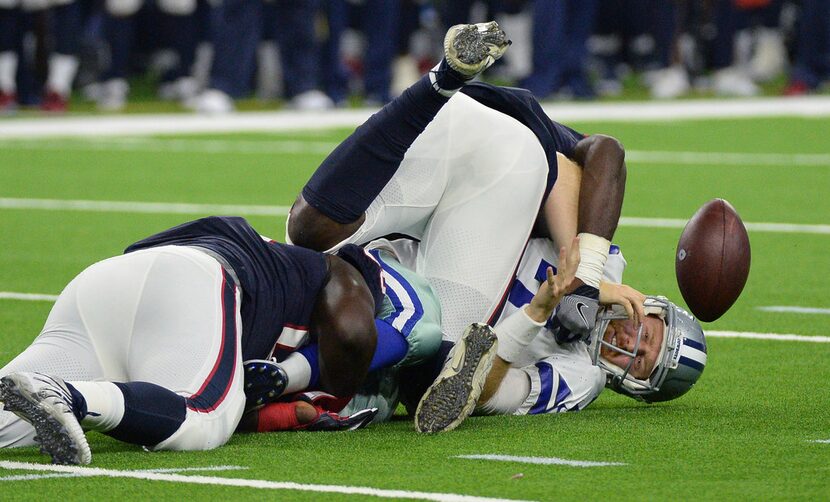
(154,316)
(470,188)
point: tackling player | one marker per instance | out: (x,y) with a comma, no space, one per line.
(147,347)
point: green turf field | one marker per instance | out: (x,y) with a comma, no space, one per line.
(752,428)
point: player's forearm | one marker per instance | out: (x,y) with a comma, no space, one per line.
(603,184)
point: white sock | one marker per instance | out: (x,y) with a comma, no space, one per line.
(515,333)
(593,252)
(104,405)
(62,70)
(436,85)
(299,372)
(8,72)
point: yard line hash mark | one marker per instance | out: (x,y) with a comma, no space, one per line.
(245,483)
(794,310)
(259,210)
(540,460)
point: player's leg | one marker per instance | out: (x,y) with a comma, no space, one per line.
(62,349)
(10,20)
(186,342)
(183,386)
(333,202)
(63,62)
(475,237)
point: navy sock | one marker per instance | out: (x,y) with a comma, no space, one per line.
(151,414)
(353,175)
(78,402)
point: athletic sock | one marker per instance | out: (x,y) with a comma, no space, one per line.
(446,81)
(299,369)
(62,70)
(151,414)
(8,72)
(99,405)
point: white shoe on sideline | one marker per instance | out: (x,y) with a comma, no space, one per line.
(732,81)
(669,83)
(211,102)
(311,101)
(113,94)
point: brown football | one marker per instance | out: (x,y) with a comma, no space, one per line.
(712,260)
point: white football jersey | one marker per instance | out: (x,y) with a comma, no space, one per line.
(562,377)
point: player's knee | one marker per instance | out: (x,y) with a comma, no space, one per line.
(310,228)
(177,7)
(123,8)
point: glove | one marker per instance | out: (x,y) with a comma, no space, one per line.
(287,416)
(576,315)
(265,381)
(329,421)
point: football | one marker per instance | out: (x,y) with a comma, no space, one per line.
(712,260)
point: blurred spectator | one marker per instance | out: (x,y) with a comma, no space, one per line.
(379,23)
(236,31)
(174,26)
(812,52)
(65,26)
(560,34)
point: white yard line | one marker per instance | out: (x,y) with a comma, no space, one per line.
(540,460)
(823,441)
(282,147)
(767,336)
(252,210)
(142,207)
(30,477)
(188,146)
(128,125)
(28,297)
(794,310)
(245,483)
(750,226)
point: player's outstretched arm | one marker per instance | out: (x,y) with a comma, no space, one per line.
(555,286)
(344,322)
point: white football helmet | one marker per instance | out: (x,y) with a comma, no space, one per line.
(680,362)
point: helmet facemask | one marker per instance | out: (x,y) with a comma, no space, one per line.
(679,362)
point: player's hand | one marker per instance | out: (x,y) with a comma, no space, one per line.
(626,296)
(555,286)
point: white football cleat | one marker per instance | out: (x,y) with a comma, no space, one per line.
(471,48)
(46,403)
(452,397)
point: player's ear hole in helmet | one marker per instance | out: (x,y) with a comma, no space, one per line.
(679,362)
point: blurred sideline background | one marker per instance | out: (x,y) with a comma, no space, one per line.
(217,56)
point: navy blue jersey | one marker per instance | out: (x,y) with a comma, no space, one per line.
(280,283)
(522,106)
